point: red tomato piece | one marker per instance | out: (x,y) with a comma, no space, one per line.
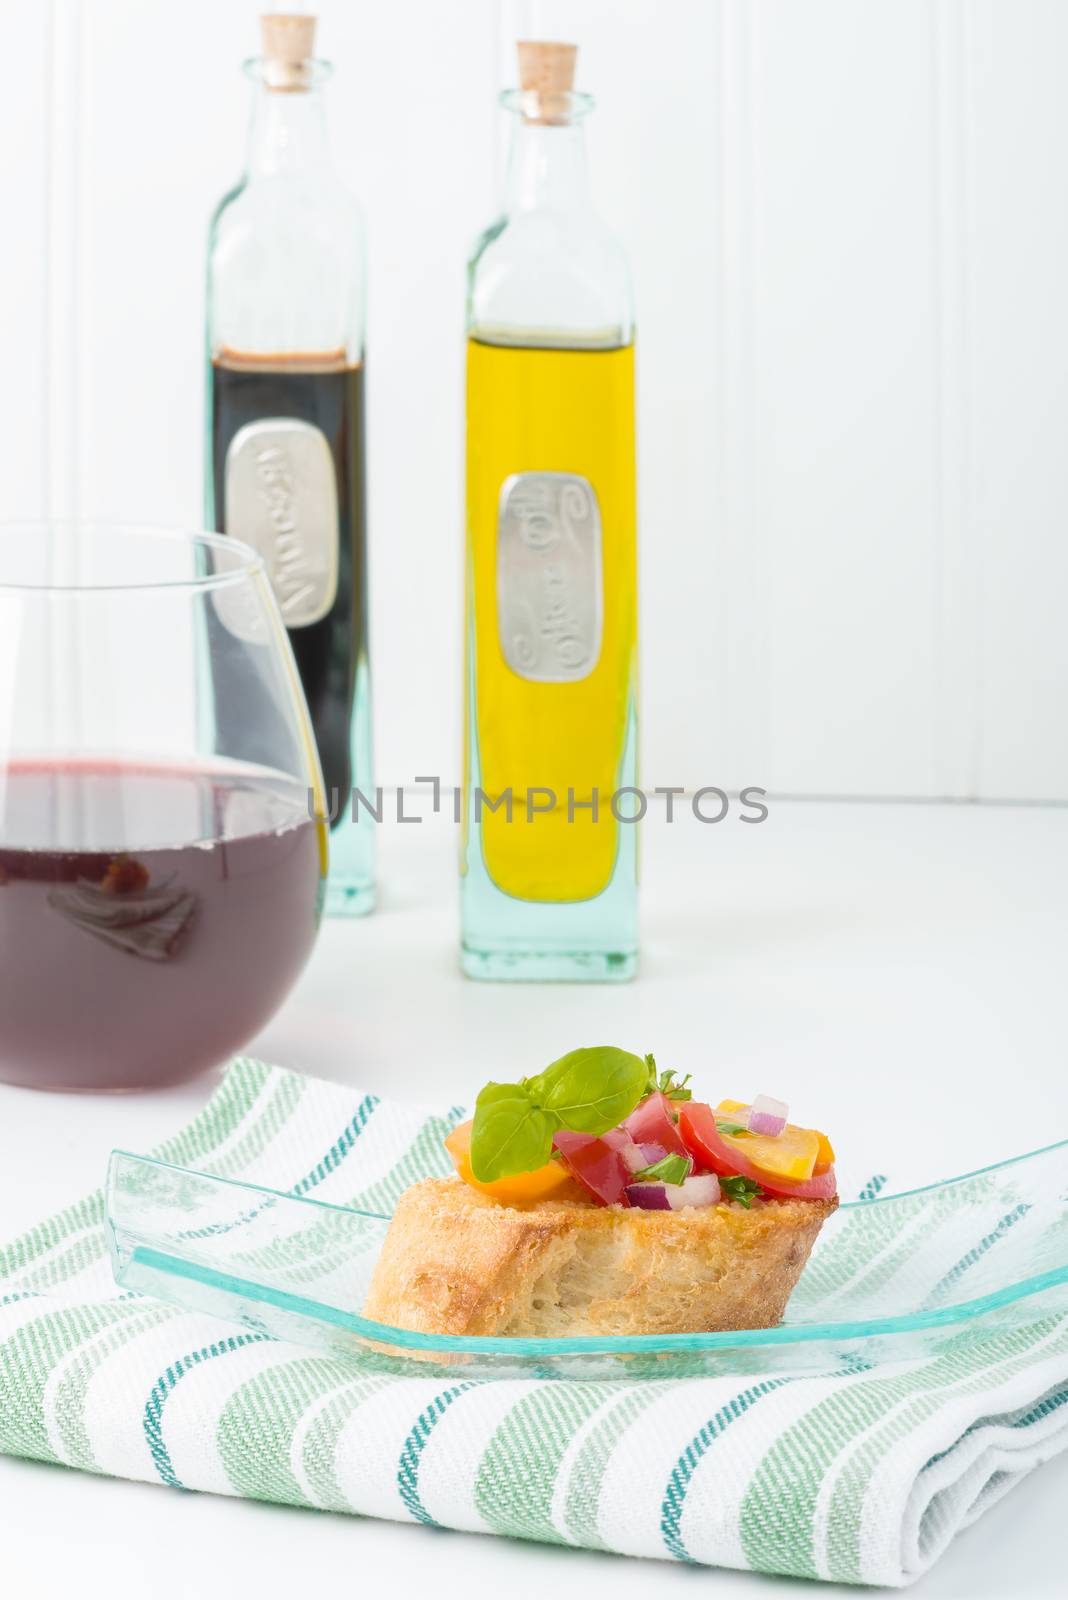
(599,1168)
(697,1125)
(653,1123)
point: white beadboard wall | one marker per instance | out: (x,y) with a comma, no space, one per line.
(849,227)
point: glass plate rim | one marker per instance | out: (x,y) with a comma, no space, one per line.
(382,1333)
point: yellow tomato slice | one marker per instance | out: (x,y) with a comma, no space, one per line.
(550,1182)
(792,1154)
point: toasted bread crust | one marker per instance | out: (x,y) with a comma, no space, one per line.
(457,1262)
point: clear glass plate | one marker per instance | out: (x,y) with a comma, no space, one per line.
(890,1279)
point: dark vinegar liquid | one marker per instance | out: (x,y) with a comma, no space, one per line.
(151,919)
(322,390)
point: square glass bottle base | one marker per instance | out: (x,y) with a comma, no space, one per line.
(508,940)
(349,900)
(505,938)
(548,966)
(350,883)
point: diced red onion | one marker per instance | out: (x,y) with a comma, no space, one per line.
(649,1196)
(702,1189)
(633,1159)
(767,1115)
(635,1156)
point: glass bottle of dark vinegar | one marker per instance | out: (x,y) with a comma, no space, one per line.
(285,415)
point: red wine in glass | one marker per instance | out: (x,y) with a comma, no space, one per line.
(152,918)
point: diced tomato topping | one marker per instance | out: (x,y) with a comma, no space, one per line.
(550,1182)
(825,1157)
(715,1153)
(791,1154)
(598,1167)
(785,1148)
(653,1123)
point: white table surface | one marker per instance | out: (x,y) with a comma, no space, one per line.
(896,971)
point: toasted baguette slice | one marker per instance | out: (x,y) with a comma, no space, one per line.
(457,1261)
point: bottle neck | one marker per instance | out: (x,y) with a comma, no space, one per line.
(547,168)
(289,133)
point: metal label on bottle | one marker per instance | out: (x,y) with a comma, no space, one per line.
(281,498)
(550,581)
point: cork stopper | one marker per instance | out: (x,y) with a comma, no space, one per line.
(546,78)
(288,46)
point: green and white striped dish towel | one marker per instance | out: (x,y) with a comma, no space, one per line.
(860,1476)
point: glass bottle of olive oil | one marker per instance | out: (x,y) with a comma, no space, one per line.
(549,886)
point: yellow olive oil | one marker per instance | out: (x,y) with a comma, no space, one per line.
(552,613)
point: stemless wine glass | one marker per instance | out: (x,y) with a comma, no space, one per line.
(162,846)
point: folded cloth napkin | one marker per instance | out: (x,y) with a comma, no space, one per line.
(854,1475)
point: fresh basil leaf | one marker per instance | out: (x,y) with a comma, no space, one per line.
(744,1190)
(510,1134)
(731,1129)
(669,1169)
(498,1091)
(590,1090)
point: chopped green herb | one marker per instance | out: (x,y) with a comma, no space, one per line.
(744,1190)
(731,1129)
(669,1169)
(664,1082)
